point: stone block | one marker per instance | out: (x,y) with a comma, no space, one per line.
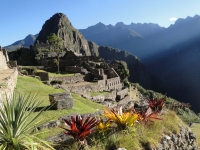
(44,76)
(61,100)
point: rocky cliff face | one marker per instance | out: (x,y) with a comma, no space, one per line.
(62,27)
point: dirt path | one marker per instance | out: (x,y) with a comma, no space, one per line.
(5,73)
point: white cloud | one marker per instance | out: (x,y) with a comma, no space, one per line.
(173,19)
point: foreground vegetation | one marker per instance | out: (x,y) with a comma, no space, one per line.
(137,136)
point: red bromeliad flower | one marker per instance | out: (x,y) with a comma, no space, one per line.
(156,105)
(146,117)
(79,127)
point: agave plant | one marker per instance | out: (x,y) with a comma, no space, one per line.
(103,126)
(122,119)
(79,127)
(147,116)
(16,123)
(156,105)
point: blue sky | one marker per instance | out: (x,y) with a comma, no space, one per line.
(18,18)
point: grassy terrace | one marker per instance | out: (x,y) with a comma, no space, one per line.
(31,85)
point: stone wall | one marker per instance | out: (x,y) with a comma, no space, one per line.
(121,94)
(113,83)
(9,85)
(12,64)
(44,76)
(69,79)
(75,69)
(3,61)
(81,90)
(185,140)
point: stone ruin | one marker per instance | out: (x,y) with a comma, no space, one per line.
(92,68)
(61,101)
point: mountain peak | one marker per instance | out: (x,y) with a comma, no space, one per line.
(188,19)
(119,24)
(62,27)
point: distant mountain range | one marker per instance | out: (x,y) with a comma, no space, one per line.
(172,54)
(26,42)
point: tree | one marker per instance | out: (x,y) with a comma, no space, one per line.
(122,70)
(56,42)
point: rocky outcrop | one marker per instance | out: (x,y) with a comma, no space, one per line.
(62,27)
(93,48)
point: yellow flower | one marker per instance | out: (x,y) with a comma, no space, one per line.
(103,126)
(122,119)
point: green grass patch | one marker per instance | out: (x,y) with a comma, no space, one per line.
(62,74)
(31,85)
(196,129)
(99,93)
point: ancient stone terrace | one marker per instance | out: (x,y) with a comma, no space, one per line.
(8,77)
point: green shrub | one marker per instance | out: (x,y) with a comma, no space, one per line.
(16,124)
(25,72)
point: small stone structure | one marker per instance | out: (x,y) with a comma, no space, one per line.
(44,76)
(121,94)
(61,100)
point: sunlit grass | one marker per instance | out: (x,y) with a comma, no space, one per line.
(99,93)
(196,129)
(60,74)
(31,85)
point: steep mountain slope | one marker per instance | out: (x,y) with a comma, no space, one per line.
(171,54)
(126,37)
(138,72)
(181,72)
(62,27)
(26,42)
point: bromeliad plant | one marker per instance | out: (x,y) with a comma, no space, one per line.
(147,116)
(103,126)
(122,119)
(156,105)
(79,127)
(17,120)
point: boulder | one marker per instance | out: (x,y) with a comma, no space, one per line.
(61,100)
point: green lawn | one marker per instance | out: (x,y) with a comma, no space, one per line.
(61,74)
(31,85)
(99,93)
